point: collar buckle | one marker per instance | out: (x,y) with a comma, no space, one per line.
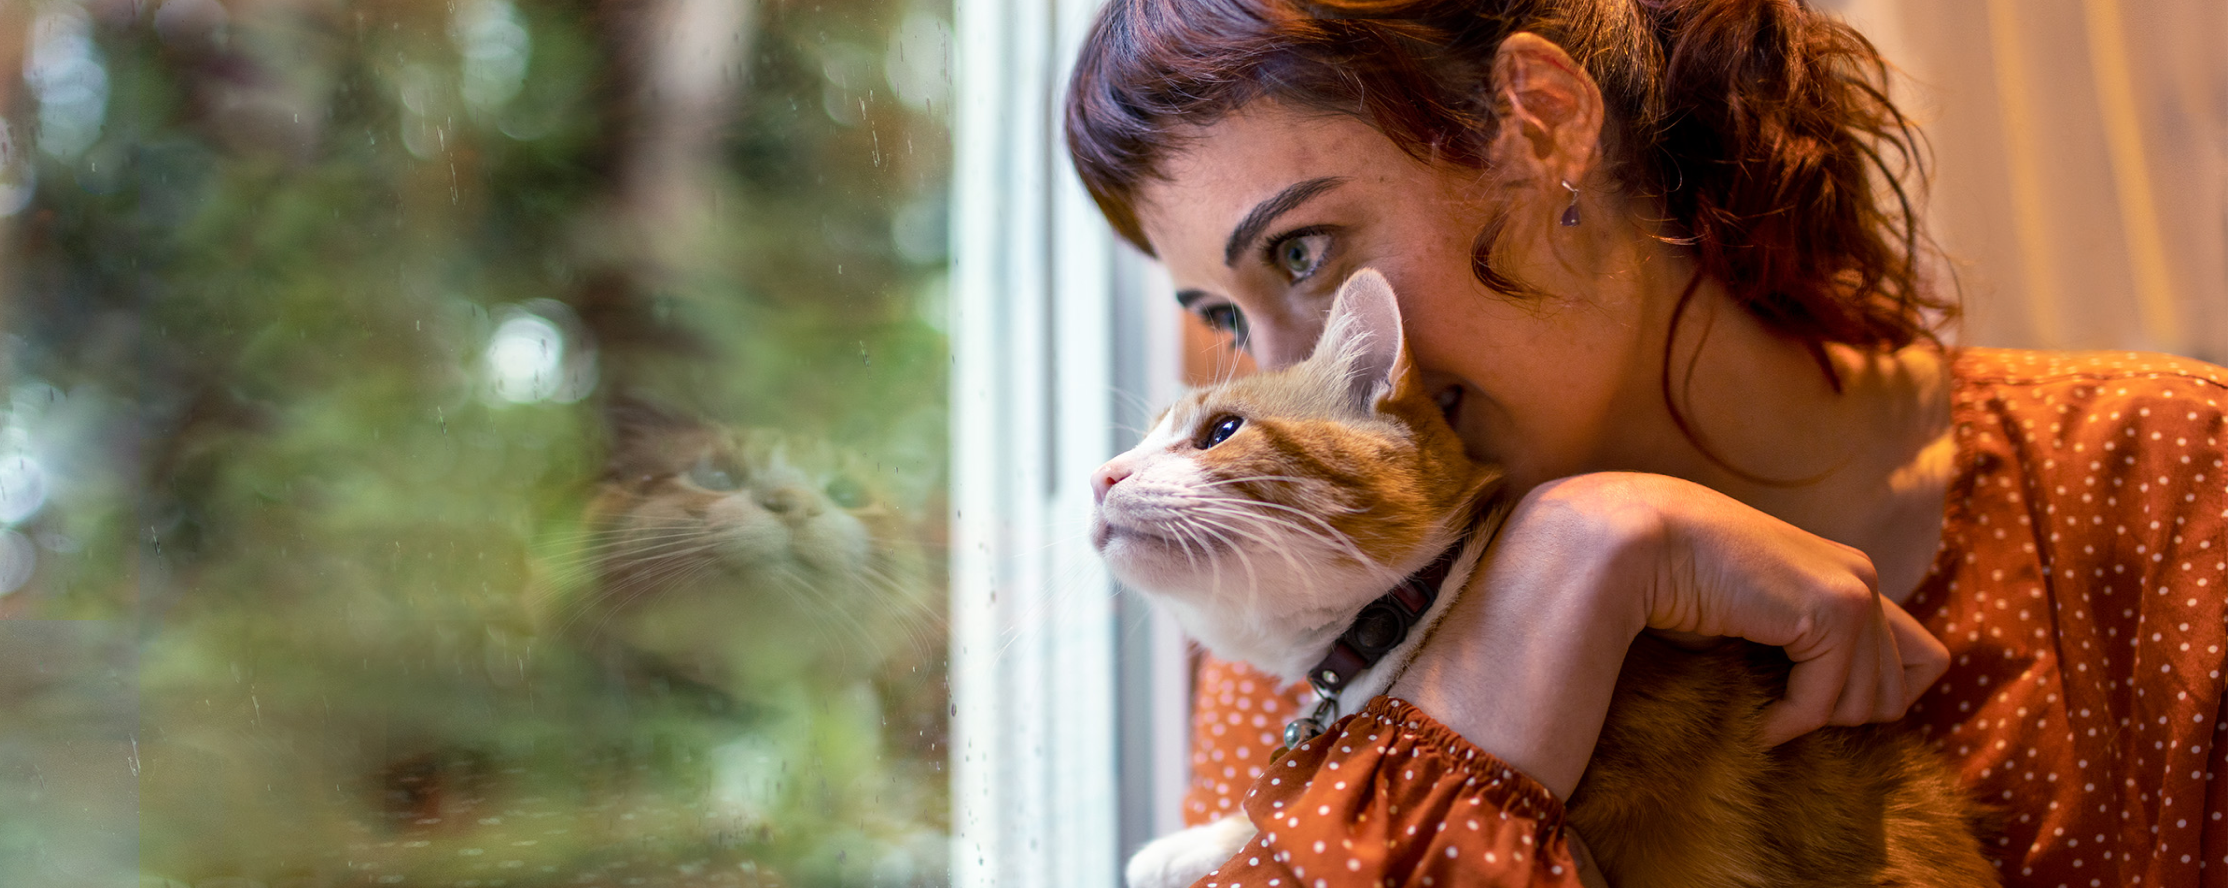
(1379,628)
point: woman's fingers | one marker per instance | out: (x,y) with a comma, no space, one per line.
(1873,672)
(1890,691)
(1712,566)
(1818,676)
(1858,704)
(1804,708)
(1922,657)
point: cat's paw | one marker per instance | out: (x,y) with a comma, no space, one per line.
(1182,858)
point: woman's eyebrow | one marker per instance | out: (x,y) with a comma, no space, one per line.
(1251,226)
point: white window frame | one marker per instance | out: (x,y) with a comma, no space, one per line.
(1070,697)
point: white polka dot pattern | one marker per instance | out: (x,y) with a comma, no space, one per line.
(2080,589)
(1239,717)
(2080,586)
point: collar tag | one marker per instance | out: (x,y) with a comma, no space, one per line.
(1379,628)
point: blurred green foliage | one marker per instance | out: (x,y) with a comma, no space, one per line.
(256,331)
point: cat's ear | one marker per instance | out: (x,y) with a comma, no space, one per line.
(643,436)
(1363,339)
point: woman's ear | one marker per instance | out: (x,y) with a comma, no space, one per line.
(1552,112)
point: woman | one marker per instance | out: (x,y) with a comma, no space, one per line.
(1653,256)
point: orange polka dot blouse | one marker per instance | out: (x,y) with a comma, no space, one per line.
(2079,584)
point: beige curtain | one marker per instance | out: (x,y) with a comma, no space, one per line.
(2079,190)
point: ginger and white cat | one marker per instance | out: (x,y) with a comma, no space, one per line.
(739,557)
(1268,511)
(772,579)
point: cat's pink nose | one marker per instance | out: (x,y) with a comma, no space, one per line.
(1107,476)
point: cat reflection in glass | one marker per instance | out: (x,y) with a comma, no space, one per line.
(767,575)
(691,514)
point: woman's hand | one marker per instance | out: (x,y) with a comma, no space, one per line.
(1721,568)
(1524,664)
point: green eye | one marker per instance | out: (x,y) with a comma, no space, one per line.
(711,475)
(1300,255)
(846,493)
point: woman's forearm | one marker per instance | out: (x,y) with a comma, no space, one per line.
(1528,657)
(1524,664)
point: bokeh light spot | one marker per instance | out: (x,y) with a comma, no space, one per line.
(495,44)
(18,558)
(63,70)
(23,487)
(525,358)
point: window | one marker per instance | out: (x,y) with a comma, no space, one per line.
(513,443)
(477,443)
(1069,737)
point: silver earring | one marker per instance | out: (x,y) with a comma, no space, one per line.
(1572,215)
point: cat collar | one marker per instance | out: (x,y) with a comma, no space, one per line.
(1378,628)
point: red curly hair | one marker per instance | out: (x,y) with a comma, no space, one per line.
(1763,129)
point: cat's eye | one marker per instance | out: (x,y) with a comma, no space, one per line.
(846,493)
(1301,253)
(714,475)
(1218,430)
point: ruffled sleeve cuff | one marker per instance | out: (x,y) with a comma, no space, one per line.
(1389,796)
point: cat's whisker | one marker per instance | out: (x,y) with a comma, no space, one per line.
(603,528)
(1137,403)
(647,569)
(1036,610)
(1280,538)
(624,538)
(1220,533)
(882,589)
(1332,534)
(643,547)
(592,556)
(837,625)
(1188,538)
(632,544)
(1246,565)
(849,619)
(677,575)
(1216,568)
(914,607)
(626,588)
(1268,537)
(1187,547)
(1245,479)
(1280,535)
(1037,614)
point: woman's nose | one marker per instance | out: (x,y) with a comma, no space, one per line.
(1108,475)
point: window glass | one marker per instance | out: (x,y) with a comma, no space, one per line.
(477,442)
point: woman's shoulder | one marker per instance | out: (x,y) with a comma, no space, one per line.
(2004,368)
(2087,413)
(2121,432)
(2096,475)
(2080,592)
